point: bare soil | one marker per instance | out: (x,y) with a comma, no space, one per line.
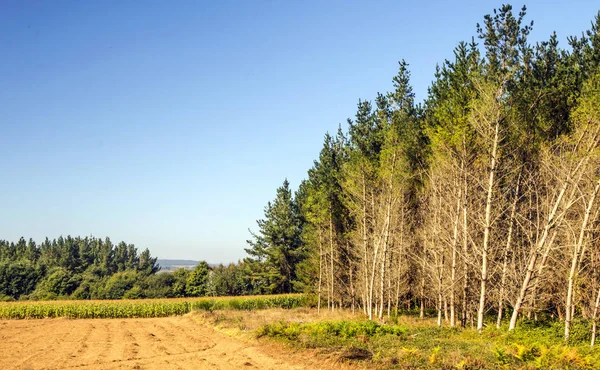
(186,342)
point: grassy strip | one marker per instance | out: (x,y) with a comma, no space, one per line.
(253,303)
(415,345)
(144,308)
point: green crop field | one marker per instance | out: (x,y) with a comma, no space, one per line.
(144,307)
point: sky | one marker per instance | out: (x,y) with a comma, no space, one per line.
(170,124)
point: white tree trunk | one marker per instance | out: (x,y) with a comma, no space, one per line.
(465,246)
(550,223)
(331,252)
(487,228)
(367,304)
(507,250)
(386,234)
(320,272)
(575,261)
(594,319)
(453,268)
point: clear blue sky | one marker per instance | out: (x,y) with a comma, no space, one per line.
(169,124)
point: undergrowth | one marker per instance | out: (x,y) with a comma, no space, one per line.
(411,345)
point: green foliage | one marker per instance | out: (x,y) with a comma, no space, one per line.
(230,280)
(429,347)
(340,329)
(143,307)
(157,286)
(118,284)
(6,298)
(58,282)
(254,303)
(90,268)
(19,278)
(275,250)
(72,267)
(92,309)
(549,332)
(134,293)
(505,114)
(196,280)
(179,282)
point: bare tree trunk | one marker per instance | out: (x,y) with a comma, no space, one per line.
(507,251)
(550,223)
(561,317)
(383,263)
(422,312)
(386,234)
(320,272)
(364,302)
(377,243)
(389,290)
(372,281)
(382,281)
(487,228)
(472,315)
(463,322)
(331,258)
(594,319)
(397,295)
(367,307)
(440,309)
(438,253)
(401,251)
(538,275)
(445,309)
(453,268)
(329,292)
(440,301)
(352,293)
(575,261)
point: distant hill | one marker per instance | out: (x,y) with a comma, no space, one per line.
(170,265)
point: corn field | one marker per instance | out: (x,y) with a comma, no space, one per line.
(145,308)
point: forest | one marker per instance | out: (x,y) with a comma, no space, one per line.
(479,205)
(93,268)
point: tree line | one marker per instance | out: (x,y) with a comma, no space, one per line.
(94,268)
(479,204)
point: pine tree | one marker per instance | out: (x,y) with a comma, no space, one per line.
(275,249)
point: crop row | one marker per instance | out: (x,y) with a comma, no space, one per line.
(144,308)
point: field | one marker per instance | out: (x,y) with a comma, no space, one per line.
(158,343)
(135,334)
(146,308)
(268,332)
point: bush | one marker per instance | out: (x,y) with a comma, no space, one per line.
(134,293)
(118,284)
(6,298)
(253,303)
(328,331)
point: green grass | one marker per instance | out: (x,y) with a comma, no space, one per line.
(253,303)
(144,307)
(418,345)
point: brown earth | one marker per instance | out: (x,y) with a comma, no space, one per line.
(161,343)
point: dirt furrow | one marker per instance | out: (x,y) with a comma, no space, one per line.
(161,343)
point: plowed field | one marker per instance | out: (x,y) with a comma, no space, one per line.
(159,343)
